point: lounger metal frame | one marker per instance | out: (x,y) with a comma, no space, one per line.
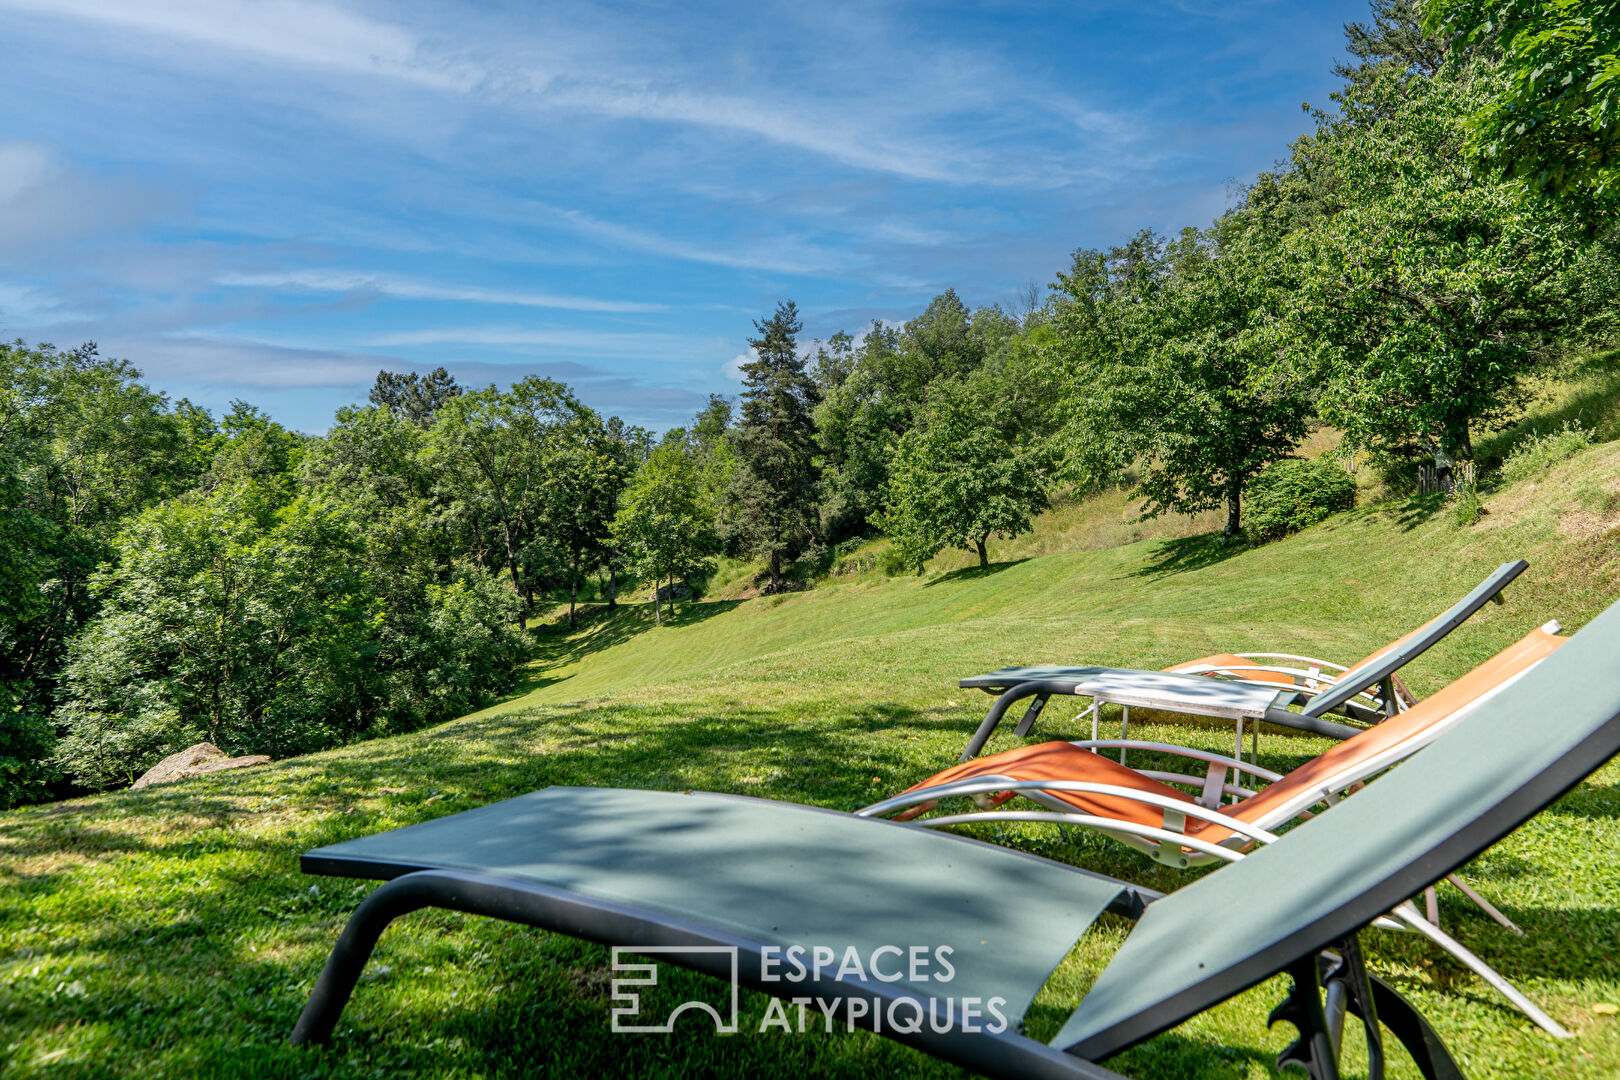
(1327,987)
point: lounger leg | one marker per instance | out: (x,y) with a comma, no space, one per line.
(1404,1022)
(993,717)
(1411,917)
(1313,1051)
(1431,904)
(1031,714)
(349,956)
(1484,904)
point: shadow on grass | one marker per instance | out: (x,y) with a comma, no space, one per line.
(1408,514)
(1190,553)
(186,901)
(973,573)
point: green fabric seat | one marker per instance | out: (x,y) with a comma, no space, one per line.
(777,873)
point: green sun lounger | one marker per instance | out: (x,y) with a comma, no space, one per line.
(751,879)
(1014,684)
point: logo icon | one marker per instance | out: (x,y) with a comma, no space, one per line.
(627,999)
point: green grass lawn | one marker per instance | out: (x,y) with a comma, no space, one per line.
(168,930)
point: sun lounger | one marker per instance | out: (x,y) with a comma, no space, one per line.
(650,870)
(1348,693)
(1141,808)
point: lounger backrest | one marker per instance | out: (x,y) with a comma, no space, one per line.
(1372,671)
(1400,735)
(1483,777)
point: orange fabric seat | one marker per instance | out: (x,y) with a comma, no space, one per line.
(1232,660)
(1059,761)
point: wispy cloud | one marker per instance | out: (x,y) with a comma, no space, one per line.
(901,134)
(605,343)
(352,281)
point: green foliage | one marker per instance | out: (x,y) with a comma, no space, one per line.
(230,619)
(225,619)
(1535,455)
(82,446)
(1425,293)
(877,389)
(664,528)
(1466,507)
(960,476)
(1291,495)
(489,452)
(27,743)
(414,397)
(1164,350)
(1555,123)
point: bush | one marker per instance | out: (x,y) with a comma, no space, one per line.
(1466,507)
(26,744)
(1293,495)
(1538,453)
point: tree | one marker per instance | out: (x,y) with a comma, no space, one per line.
(414,397)
(584,474)
(232,617)
(1396,35)
(1555,120)
(1165,349)
(85,445)
(226,619)
(489,452)
(1424,299)
(960,476)
(663,526)
(771,501)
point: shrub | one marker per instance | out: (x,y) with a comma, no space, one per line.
(1466,506)
(26,744)
(1293,495)
(1538,453)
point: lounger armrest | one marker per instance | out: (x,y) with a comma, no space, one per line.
(1164,838)
(1292,656)
(1179,751)
(985,785)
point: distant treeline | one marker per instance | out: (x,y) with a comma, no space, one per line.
(168,576)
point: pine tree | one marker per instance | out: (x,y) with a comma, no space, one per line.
(771,501)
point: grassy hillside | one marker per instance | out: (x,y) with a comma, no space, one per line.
(169,930)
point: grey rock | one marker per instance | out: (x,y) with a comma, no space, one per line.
(194,761)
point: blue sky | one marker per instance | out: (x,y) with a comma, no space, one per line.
(272,199)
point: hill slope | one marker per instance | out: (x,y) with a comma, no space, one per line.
(169,926)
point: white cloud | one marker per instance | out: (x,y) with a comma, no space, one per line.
(294,31)
(607,343)
(802,260)
(732,369)
(894,123)
(345,281)
(44,202)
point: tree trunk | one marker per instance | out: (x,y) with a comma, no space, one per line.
(658,618)
(776,570)
(573,595)
(1234,506)
(613,585)
(984,556)
(511,566)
